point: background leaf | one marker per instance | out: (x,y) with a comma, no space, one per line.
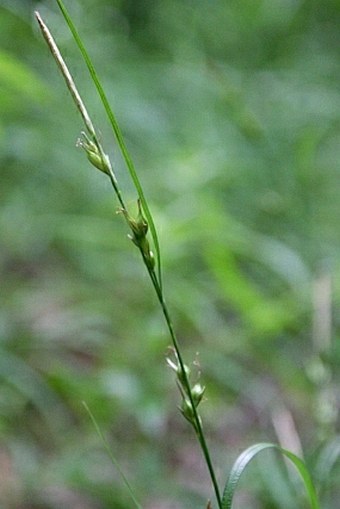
(248,455)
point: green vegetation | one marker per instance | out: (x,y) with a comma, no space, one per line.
(232,119)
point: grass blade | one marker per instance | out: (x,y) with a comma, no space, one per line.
(244,459)
(112,458)
(328,457)
(117,132)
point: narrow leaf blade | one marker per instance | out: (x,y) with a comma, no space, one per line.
(117,132)
(112,457)
(248,455)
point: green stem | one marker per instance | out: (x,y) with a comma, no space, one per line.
(156,281)
(117,190)
(117,132)
(198,424)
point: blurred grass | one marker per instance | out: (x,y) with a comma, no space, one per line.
(232,116)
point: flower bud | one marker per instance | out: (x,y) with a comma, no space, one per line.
(187,410)
(150,260)
(140,223)
(139,228)
(197,393)
(178,370)
(96,157)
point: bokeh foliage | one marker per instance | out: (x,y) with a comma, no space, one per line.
(231,112)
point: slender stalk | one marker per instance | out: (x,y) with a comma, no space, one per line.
(112,457)
(117,132)
(198,424)
(100,160)
(67,75)
(79,103)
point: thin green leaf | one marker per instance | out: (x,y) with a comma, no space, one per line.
(117,132)
(328,457)
(244,459)
(112,458)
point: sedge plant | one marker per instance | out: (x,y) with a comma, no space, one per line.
(143,234)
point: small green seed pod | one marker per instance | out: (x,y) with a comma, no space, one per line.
(94,155)
(178,370)
(197,393)
(139,228)
(187,410)
(141,223)
(150,260)
(180,374)
(189,414)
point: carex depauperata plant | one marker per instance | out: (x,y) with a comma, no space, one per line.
(143,234)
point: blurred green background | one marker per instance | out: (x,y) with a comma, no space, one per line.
(231,111)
